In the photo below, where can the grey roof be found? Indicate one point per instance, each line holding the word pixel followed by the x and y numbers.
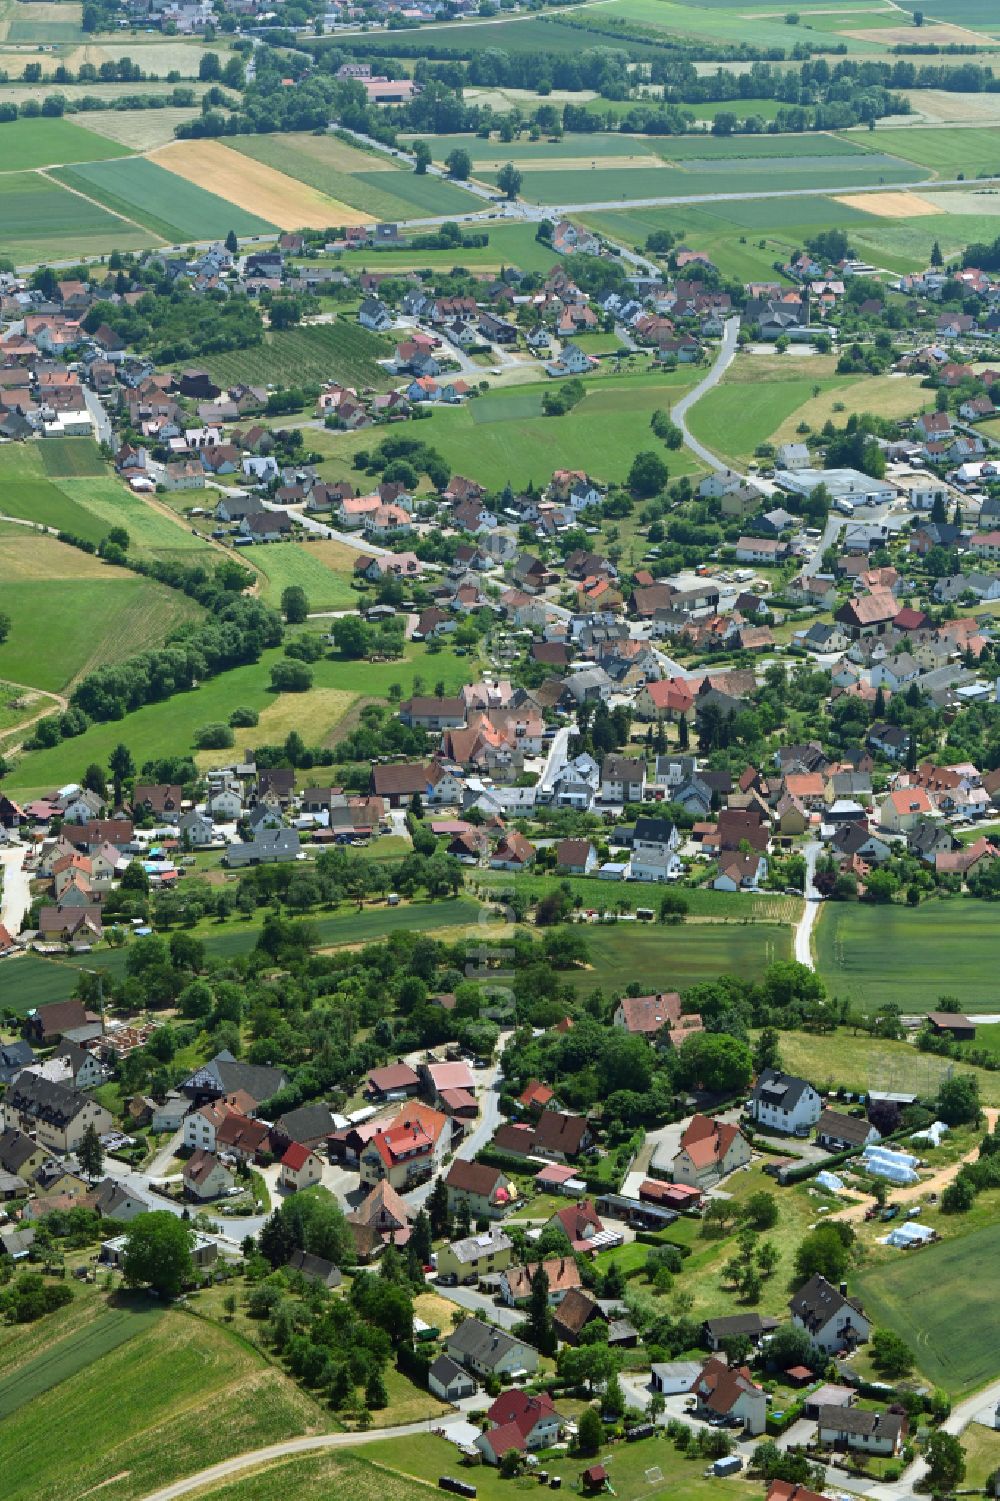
pixel 740 1323
pixel 308 1123
pixel 473 1246
pixel 33 1095
pixel 316 1268
pixel 783 1090
pixel 445 1371
pixel 223 1074
pixel 653 830
pixel 861 1421
pixel 850 1128
pixel 818 1302
pixel 482 1343
pixel 15 1149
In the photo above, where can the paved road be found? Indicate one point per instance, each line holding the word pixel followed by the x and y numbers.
pixel 810 912
pixel 255 1458
pixel 679 411
pixel 349 539
pixel 16 897
pixel 479 1303
pixel 557 757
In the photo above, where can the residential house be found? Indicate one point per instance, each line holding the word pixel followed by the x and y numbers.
pixel 520 1421
pixel 576 857
pixel 833 1321
pixel 485 1190
pixel 407 1151
pixel 205 1177
pixel 784 1102
pixel 655 842
pixel 449 1381
pixel 862 1429
pixel 55 1114
pixel 484 1254
pixel 623 779
pixel 842 1133
pixel 299 1168
pixel 730 1394
pixel 486 1351
pixel 656 1016
pixel 904 809
pixel 709 1151
pixel 562 1273
pixel 314 1269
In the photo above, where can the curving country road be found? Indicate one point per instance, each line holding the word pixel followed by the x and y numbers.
pixel 810 910
pixel 680 409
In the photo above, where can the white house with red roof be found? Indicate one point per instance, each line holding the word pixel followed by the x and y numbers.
pixel 709 1150
pixel 520 1421
pixel 409 1150
pixel 300 1168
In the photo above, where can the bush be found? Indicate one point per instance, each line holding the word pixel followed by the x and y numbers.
pixel 214 737
pixel 243 718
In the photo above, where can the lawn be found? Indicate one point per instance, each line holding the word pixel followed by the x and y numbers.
pixel 323 569
pixel 509 245
pixel 604 896
pixel 853 1061
pixel 353 927
pixel 503 435
pixel 40 220
pixel 27 144
pixel 912 956
pixel 982 1454
pixel 342 351
pixel 666 958
pixel 890 396
pixel 179 1395
pixel 423 1457
pixel 71 613
pixel 160 201
pixel 368 182
pixel 953 1337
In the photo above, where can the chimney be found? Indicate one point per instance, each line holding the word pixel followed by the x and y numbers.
pixel 843 1289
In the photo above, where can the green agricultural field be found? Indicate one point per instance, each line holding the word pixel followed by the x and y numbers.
pixel 912 956
pixel 341 351
pixel 355 177
pixel 504 436
pixel 317 1477
pixel 40 220
pixel 351 927
pixel 717 25
pixel 113 1326
pixel 31 981
pixel 287 563
pixel 45 23
pixel 977 13
pixel 180 1394
pixel 666 958
pixel 523 152
pixel 947 151
pixel 160 201
pixel 604 896
pixel 470 38
pixel 700 176
pixel 953 1338
pixel 26 144
pixel 905 246
pixel 71 458
pixel 62 629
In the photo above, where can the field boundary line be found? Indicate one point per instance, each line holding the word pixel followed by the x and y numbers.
pixel 143 229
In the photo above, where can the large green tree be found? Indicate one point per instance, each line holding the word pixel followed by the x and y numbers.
pixel 158 1252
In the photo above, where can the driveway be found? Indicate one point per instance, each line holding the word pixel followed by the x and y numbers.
pixel 467 1297
pixel 487 1092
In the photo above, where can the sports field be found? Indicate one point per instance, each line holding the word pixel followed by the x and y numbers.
pixel 160 202
pixel 180 1394
pixel 323 569
pixel 369 184
pixel 942 1302
pixel 504 436
pixel 912 956
pixel 40 220
pixel 27 144
pixel 666 958
pixel 314 353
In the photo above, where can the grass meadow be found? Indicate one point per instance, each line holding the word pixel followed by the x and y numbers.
pixel 70 612
pixel 909 955
pixel 666 958
pixel 854 1061
pixel 168 728
pixel 945 151
pixel 504 436
pixel 159 201
pixel 323 569
pixel 315 353
pixel 746 410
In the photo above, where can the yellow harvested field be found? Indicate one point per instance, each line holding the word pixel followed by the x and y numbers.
pixel 943 32
pixel 889 205
pixel 939 107
pixel 313 714
pixel 339 156
pixel 142 129
pixel 252 186
pixel 981 201
pixel 890 396
pixel 26 555
pixel 503 100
